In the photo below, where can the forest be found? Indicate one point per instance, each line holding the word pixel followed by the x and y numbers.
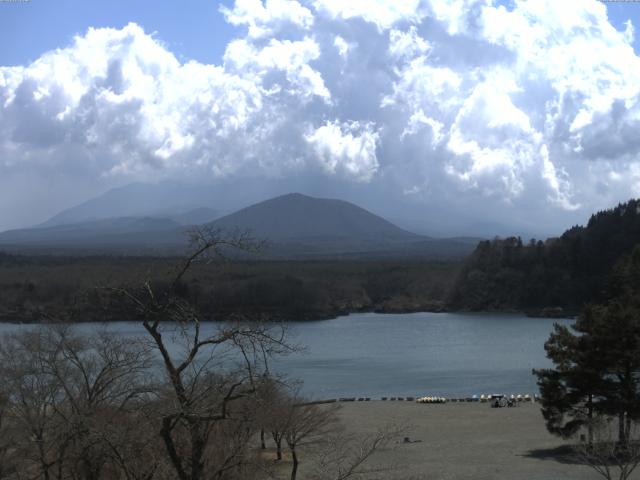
pixel 35 288
pixel 555 277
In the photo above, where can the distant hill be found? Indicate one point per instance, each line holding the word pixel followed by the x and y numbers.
pixel 101 235
pixel 299 217
pixel 295 226
pixel 197 216
pixel 553 277
pixel 162 200
pixel 300 226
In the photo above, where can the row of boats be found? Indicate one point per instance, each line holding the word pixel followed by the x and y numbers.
pixel 481 398
pixel 501 398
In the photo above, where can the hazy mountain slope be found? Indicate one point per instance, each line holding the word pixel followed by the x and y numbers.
pixel 165 199
pixel 295 227
pixel 103 233
pixel 296 217
pixel 197 216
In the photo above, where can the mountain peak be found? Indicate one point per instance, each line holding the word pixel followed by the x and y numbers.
pixel 298 216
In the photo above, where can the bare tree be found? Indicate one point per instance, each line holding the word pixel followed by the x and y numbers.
pixel 606 455
pixel 273 397
pixel 31 399
pixel 63 391
pixel 100 379
pixel 8 439
pixel 305 424
pixel 343 456
pixel 202 380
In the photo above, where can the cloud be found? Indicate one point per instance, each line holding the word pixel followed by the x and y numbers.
pixel 342 46
pixel 407 44
pixel 381 13
pixel 290 57
pixel 265 19
pixel 348 148
pixel 530 108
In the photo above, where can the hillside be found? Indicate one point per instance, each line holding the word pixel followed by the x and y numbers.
pixel 297 226
pixel 553 277
pixel 197 216
pixel 294 226
pixel 161 200
pixel 104 235
pixel 298 217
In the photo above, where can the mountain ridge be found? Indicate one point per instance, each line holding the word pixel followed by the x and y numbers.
pixel 294 225
pixel 163 199
pixel 299 216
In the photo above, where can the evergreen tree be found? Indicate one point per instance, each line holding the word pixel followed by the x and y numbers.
pixel 569 391
pixel 597 361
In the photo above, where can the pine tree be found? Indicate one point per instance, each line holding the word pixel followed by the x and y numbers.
pixel 569 391
pixel 597 361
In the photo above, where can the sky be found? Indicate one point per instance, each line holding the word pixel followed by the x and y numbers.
pixel 441 115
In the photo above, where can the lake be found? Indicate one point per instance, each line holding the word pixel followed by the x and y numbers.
pixel 374 355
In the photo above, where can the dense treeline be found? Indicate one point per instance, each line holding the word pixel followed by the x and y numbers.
pixel 34 288
pixel 557 276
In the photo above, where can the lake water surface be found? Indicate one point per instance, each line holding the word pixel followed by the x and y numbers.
pixel 374 355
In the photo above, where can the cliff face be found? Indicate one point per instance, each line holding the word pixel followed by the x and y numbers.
pixel 554 277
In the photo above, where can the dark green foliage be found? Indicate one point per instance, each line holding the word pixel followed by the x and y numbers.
pixel 597 361
pixel 569 390
pixel 560 275
pixel 69 287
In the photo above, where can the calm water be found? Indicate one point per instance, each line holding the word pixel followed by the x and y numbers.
pixel 377 355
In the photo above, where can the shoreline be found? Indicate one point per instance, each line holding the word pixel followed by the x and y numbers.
pixel 320 318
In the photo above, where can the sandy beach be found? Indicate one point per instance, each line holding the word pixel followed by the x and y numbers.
pixel 466 441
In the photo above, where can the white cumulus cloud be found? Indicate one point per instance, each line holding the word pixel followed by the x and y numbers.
pixel 382 13
pixel 468 105
pixel 348 148
pixel 265 19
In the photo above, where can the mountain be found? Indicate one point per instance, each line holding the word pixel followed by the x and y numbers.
pixel 300 226
pixel 102 235
pixel 197 216
pixel 162 200
pixel 295 226
pixel 299 217
pixel 558 275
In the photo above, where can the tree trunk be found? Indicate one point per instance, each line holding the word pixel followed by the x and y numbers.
pixel 45 470
pixel 621 430
pixel 43 463
pixel 263 445
pixel 197 451
pixel 278 441
pixel 294 467
pixel 590 421
pixel 174 457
